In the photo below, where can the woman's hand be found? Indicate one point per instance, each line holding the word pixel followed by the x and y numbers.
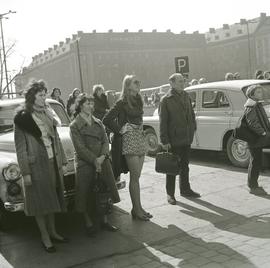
pixel 27 180
pixel 99 161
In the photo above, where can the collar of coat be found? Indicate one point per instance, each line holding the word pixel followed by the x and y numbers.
pixel 24 120
pixel 81 122
pixel 172 92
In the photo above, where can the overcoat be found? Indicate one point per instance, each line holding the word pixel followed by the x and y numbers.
pixel 177 119
pixel 90 142
pixel 42 197
pixel 100 106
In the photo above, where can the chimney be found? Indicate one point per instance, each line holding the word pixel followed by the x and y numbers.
pixel 55 47
pixel 74 36
pixel 61 44
pixel 110 31
pixel 79 33
pixel 40 54
pixel 141 31
pixel 196 32
pixel 168 31
pixel 126 31
pixel 183 32
pixel 94 31
pixel 212 30
pixel 262 16
pixel 67 40
pixel 45 52
pixel 226 27
pixel 154 30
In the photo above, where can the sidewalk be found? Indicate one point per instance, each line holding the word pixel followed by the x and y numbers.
pixel 227 227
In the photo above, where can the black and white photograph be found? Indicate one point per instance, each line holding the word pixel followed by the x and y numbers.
pixel 134 134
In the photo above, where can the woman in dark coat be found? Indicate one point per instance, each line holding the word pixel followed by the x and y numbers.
pixel 42 162
pixel 257 121
pixel 71 102
pixel 91 158
pixel 101 105
pixel 56 93
pixel 125 119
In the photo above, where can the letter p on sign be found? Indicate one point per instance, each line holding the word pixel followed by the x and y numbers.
pixel 182 65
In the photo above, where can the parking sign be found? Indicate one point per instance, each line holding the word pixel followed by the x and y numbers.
pixel 182 65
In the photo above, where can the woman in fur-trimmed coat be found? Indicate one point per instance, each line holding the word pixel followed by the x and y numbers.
pixel 42 163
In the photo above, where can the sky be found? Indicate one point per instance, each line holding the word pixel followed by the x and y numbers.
pixel 39 24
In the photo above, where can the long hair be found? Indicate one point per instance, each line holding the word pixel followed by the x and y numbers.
pixel 31 91
pixel 96 88
pixel 53 92
pixel 125 93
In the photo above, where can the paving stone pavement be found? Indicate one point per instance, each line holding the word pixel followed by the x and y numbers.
pixel 226 227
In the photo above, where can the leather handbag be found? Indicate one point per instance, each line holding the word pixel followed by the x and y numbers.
pixel 167 163
pixel 243 132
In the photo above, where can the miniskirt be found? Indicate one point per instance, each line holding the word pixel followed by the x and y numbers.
pixel 133 142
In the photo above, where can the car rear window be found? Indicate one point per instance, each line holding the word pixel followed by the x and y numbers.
pixel 266 88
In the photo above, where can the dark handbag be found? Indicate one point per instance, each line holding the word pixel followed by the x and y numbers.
pixel 102 196
pixel 167 163
pixel 244 133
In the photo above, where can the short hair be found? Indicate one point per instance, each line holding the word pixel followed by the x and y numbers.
pixel 251 90
pixel 228 76
pixel 258 73
pixel 172 78
pixel 80 100
pixel 30 93
pixel 96 88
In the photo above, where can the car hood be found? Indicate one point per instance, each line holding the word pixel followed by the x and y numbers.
pixel 7 142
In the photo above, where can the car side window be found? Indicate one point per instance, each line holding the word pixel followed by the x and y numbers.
pixel 214 99
pixel 192 96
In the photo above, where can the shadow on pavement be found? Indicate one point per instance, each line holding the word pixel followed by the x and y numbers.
pixel 254 226
pixel 136 241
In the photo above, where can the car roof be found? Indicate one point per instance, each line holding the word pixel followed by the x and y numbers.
pixel 233 85
pixel 18 101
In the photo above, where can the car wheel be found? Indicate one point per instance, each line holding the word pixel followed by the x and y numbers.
pixel 237 152
pixel 4 217
pixel 151 141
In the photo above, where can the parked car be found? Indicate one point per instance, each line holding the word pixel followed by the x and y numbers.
pixel 11 197
pixel 218 107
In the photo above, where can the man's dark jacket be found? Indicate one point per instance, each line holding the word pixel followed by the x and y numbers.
pixel 177 119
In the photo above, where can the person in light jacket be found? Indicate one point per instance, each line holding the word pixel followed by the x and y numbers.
pixel 258 122
pixel 91 159
pixel 177 127
pixel 42 162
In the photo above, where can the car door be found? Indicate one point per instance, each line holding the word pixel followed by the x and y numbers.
pixel 213 119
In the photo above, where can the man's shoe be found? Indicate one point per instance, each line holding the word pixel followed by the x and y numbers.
pixel 108 227
pixel 258 191
pixel 171 200
pixel 190 193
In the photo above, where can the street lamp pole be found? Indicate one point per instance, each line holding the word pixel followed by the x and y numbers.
pixel 4 51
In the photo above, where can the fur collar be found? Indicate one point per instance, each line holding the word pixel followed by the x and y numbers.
pixel 25 122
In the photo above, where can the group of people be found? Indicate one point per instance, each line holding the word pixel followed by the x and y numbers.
pixel 42 160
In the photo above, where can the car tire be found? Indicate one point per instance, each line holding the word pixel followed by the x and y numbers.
pixel 238 152
pixel 151 141
pixel 4 217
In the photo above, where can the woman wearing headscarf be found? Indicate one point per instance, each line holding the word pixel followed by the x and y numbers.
pixel 42 162
pixel 258 122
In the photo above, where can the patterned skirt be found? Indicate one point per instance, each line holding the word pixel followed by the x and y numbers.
pixel 134 143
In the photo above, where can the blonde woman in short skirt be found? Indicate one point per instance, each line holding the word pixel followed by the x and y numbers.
pixel 126 119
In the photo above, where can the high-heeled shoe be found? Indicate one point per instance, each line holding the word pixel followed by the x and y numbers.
pixel 50 249
pixel 137 217
pixel 148 215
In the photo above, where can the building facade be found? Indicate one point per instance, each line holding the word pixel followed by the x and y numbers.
pixel 91 58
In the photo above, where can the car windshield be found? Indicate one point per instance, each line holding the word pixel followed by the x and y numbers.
pixel 266 91
pixel 7 115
